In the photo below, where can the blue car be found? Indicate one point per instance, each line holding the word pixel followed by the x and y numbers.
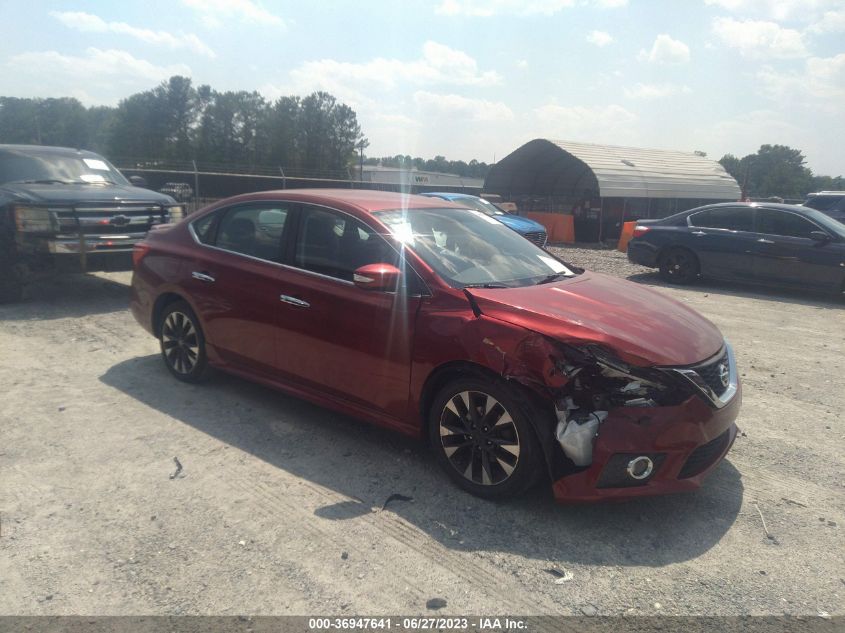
pixel 529 229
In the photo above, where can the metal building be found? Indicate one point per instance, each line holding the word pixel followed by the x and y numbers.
pixel 603 186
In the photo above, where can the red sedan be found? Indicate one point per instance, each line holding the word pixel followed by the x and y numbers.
pixel 442 323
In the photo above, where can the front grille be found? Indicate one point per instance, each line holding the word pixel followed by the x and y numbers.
pixel 703 457
pixel 538 237
pixel 111 220
pixel 712 374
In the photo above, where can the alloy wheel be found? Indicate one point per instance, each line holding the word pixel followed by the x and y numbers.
pixel 479 438
pixel 180 342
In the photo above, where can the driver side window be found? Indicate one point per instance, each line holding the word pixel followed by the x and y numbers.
pixel 335 244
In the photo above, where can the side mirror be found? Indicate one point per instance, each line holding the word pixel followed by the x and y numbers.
pixel 138 181
pixel 820 236
pixel 384 277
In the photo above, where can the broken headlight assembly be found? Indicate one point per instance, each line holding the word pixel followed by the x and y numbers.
pixel 599 381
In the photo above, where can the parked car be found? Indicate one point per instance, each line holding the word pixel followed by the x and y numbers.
pixel 777 244
pixel 440 322
pixel 830 203
pixel 530 229
pixel 67 209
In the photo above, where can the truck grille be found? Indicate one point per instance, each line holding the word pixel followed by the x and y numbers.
pixel 538 237
pixel 116 220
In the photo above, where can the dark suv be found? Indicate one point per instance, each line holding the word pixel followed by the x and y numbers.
pixel 64 209
pixel 831 203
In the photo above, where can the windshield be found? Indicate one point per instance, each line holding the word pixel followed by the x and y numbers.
pixel 468 248
pixel 480 204
pixel 59 168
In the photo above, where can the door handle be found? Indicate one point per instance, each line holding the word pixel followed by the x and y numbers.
pixel 299 303
pixel 203 277
pixel 699 233
pixel 763 240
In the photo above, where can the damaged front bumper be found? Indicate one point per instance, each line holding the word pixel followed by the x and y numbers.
pixel 683 444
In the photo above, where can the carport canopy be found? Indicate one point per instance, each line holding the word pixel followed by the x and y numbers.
pixel 583 170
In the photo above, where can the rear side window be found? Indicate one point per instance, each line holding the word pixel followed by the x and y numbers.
pixel 730 218
pixel 254 230
pixel 772 222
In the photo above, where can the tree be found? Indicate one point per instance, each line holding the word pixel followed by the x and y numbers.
pixel 775 170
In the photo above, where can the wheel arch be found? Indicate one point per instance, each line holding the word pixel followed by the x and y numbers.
pixel 161 303
pixel 540 410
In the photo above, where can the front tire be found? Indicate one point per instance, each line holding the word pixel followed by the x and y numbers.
pixel 679 266
pixel 182 343
pixel 482 438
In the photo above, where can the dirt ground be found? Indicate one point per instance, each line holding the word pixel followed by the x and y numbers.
pixel 278 506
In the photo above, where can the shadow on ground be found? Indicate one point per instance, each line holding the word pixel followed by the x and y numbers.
pixel 746 291
pixel 368 465
pixel 69 296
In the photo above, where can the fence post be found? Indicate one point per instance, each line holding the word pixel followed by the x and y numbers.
pixel 196 184
pixel 284 179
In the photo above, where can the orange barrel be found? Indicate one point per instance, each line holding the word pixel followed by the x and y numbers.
pixel 625 237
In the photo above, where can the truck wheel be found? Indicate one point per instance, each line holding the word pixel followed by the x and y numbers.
pixel 11 287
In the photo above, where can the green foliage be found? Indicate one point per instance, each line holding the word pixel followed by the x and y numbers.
pixel 776 170
pixel 472 169
pixel 180 122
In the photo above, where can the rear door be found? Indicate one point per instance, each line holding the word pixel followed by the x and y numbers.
pixel 234 281
pixel 786 253
pixel 724 241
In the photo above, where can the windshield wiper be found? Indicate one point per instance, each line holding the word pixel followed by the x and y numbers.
pixel 489 284
pixel 553 277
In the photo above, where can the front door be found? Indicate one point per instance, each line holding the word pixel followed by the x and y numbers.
pixel 333 336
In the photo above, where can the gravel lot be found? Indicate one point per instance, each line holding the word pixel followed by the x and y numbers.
pixel 278 507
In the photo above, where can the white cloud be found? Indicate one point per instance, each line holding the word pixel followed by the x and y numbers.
pixel 819 86
pixel 88 23
pixel 453 106
pixel 439 64
pixel 744 134
pixel 109 74
pixel 780 10
pixel 655 91
pixel 599 38
pixel 607 124
pixel 521 63
pixel 215 13
pixel 487 8
pixel 830 22
pixel 666 50
pixel 759 39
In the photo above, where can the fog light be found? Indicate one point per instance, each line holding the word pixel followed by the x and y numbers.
pixel 640 468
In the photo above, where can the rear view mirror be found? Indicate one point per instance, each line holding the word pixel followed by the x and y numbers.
pixel 819 236
pixel 138 181
pixel 384 277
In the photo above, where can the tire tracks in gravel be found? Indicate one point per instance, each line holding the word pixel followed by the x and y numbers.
pixel 276 506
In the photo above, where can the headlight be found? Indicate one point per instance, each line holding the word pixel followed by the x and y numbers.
pixel 35 220
pixel 177 212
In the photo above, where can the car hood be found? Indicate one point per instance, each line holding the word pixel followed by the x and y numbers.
pixel 520 224
pixel 80 194
pixel 642 326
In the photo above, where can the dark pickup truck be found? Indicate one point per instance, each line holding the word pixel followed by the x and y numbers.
pixel 69 210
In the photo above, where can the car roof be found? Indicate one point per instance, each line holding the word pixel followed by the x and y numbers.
pixel 363 199
pixel 46 149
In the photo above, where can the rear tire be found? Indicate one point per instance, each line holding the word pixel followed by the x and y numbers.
pixel 679 266
pixel 11 290
pixel 182 343
pixel 481 435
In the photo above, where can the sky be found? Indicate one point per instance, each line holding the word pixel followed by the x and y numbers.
pixel 471 78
